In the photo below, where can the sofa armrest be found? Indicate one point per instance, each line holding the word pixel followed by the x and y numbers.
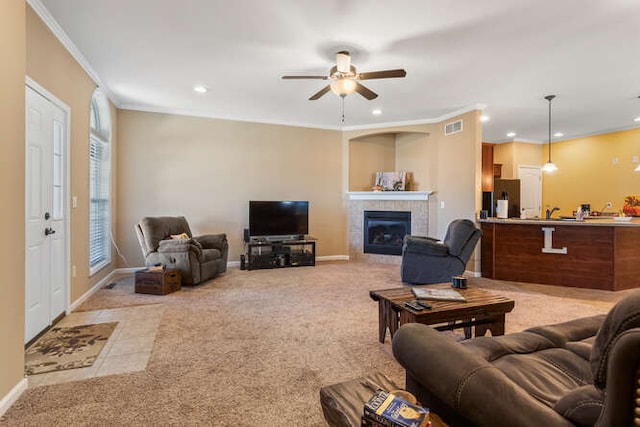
pixel 212 241
pixel 623 376
pixel 425 246
pixel 465 383
pixel 180 245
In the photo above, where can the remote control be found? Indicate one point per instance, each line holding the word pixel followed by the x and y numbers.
pixel 424 304
pixel 413 306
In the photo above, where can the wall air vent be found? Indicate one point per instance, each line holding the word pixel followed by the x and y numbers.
pixel 453 127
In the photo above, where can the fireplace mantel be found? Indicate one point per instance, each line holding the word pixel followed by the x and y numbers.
pixel 388 195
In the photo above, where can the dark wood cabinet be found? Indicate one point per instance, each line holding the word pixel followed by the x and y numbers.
pixel 487 167
pixel 596 255
pixel 497 170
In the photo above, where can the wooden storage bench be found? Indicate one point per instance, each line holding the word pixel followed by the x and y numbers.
pixel 157 282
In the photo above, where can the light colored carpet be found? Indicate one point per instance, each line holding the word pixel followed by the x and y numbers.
pixel 67 348
pixel 253 348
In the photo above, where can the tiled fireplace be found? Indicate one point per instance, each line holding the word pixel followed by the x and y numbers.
pixel 384 231
pixel 402 206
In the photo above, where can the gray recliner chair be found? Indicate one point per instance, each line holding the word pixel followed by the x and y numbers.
pixel 199 258
pixel 584 372
pixel 428 260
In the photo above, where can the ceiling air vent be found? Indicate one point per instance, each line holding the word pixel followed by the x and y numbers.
pixel 453 127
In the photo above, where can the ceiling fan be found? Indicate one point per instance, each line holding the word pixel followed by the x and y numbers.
pixel 344 78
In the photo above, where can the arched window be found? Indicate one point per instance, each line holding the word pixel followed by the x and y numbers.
pixel 99 183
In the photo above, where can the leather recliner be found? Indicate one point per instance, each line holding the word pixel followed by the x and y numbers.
pixel 198 258
pixel 428 260
pixel 584 372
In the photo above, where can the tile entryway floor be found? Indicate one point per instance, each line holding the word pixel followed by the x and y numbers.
pixel 127 350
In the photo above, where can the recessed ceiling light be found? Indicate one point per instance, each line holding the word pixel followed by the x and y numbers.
pixel 484 118
pixel 558 134
pixel 199 89
pixel 637 119
pixel 511 134
pixel 376 112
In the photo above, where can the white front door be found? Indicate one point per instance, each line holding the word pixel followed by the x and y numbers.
pixel 46 273
pixel 530 189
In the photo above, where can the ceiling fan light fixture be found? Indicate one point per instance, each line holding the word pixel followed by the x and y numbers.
pixel 343 61
pixel 343 87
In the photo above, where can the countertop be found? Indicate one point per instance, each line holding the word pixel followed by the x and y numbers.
pixel 590 221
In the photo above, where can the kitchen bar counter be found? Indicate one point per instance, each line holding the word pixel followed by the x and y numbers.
pixel 596 253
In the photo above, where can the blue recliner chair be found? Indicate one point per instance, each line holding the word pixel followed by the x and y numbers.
pixel 428 260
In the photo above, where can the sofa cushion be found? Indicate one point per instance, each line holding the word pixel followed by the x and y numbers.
pixel 623 316
pixel 581 406
pixel 534 363
pixel 546 375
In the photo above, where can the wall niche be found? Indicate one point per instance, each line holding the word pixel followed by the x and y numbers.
pixel 411 152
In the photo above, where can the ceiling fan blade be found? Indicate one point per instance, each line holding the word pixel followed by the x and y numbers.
pixel 386 74
pixel 305 77
pixel 321 92
pixel 367 93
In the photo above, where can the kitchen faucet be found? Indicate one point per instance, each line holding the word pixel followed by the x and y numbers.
pixel 551 211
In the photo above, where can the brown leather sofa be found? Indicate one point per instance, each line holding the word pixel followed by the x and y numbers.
pixel 199 258
pixel 583 372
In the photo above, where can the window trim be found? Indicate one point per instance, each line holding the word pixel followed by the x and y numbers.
pixel 100 133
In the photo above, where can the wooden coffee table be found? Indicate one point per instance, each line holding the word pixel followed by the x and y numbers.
pixel 483 311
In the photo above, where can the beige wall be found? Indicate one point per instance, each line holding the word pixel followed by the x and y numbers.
pixel 209 169
pixel 12 172
pixel 416 154
pixel 51 66
pixel 514 154
pixel 369 155
pixel 587 173
pixel 386 152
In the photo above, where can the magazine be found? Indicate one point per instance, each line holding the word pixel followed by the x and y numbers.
pixel 388 410
pixel 438 294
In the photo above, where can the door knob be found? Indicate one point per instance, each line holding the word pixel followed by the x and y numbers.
pixel 48 231
pixel 47 215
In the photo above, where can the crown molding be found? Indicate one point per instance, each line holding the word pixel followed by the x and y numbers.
pixel 525 140
pixel 44 14
pixel 418 122
pixel 191 113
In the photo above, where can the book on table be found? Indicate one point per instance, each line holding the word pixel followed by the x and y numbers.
pixel 438 294
pixel 388 410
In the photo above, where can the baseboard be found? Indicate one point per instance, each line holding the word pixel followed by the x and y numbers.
pixel 93 290
pixel 13 395
pixel 473 273
pixel 333 258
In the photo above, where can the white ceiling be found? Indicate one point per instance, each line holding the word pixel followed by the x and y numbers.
pixel 504 54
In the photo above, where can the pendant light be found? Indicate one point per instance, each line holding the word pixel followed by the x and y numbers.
pixel 549 166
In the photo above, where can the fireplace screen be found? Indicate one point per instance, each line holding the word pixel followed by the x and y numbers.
pixel 384 231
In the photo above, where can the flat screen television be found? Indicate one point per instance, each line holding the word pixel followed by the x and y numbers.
pixel 278 218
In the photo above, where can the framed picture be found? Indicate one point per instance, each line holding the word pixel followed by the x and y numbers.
pixel 391 181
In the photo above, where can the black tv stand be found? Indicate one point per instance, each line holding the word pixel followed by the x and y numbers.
pixel 263 253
